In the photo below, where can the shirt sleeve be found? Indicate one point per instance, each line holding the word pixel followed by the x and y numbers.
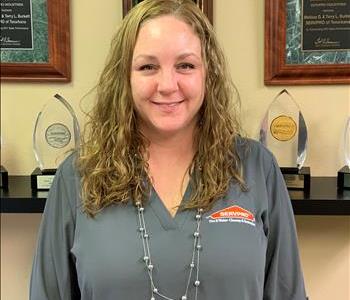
pixel 283 274
pixel 53 273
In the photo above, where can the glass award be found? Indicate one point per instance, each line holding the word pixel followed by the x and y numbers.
pixel 343 180
pixel 283 131
pixel 56 134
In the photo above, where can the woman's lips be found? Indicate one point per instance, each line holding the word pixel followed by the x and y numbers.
pixel 167 106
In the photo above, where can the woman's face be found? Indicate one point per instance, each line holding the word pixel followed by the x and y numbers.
pixel 167 76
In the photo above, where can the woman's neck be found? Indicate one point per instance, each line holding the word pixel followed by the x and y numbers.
pixel 169 157
pixel 169 162
pixel 175 147
pixel 171 146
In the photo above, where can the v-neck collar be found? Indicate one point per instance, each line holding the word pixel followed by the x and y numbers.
pixel 168 221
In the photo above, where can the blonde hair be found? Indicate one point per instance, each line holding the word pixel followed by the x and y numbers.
pixel 112 161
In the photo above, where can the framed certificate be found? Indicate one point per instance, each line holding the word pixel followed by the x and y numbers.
pixel 307 42
pixel 35 40
pixel 205 5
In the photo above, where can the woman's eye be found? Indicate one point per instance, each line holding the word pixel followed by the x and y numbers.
pixel 186 66
pixel 147 67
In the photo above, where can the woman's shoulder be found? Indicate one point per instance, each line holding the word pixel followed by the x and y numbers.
pixel 255 157
pixel 67 168
pixel 250 148
pixel 65 190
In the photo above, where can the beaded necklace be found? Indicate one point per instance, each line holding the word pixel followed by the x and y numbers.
pixel 147 258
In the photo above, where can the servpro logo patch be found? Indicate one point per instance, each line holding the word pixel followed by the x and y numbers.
pixel 233 213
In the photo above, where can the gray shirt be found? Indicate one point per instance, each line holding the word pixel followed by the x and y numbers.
pixel 249 244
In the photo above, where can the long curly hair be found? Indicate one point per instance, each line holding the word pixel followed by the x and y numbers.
pixel 112 160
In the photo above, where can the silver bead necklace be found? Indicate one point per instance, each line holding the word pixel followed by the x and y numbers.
pixel 147 258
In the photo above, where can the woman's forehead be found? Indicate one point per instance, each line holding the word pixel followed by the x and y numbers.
pixel 167 33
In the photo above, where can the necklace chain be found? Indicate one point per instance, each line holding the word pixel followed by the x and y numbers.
pixel 149 264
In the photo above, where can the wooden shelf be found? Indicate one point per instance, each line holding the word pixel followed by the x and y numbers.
pixel 323 198
pixel 20 198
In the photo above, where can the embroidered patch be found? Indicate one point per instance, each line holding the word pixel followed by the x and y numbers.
pixel 233 213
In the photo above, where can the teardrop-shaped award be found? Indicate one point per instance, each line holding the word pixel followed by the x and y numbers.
pixel 56 134
pixel 283 131
pixel 344 172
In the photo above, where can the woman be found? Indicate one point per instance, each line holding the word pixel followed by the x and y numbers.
pixel 165 200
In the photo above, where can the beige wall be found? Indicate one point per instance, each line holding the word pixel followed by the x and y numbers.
pixel 324 241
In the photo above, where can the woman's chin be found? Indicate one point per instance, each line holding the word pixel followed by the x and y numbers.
pixel 171 129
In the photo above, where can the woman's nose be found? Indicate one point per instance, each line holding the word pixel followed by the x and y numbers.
pixel 167 82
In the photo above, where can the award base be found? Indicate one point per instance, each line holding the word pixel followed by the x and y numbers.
pixel 42 179
pixel 343 179
pixel 297 179
pixel 4 178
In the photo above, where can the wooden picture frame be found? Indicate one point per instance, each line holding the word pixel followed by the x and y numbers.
pixel 205 5
pixel 277 71
pixel 58 67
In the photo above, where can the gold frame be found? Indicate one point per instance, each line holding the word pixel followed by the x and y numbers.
pixel 59 66
pixel 205 5
pixel 277 72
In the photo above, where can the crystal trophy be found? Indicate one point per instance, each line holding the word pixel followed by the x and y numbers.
pixel 283 131
pixel 343 180
pixel 56 133
pixel 3 175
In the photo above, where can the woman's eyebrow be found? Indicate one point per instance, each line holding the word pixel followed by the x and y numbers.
pixel 145 56
pixel 152 57
pixel 187 54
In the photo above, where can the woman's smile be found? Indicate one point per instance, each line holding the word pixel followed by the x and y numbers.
pixel 168 107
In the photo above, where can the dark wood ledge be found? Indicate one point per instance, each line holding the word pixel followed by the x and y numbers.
pixel 323 199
